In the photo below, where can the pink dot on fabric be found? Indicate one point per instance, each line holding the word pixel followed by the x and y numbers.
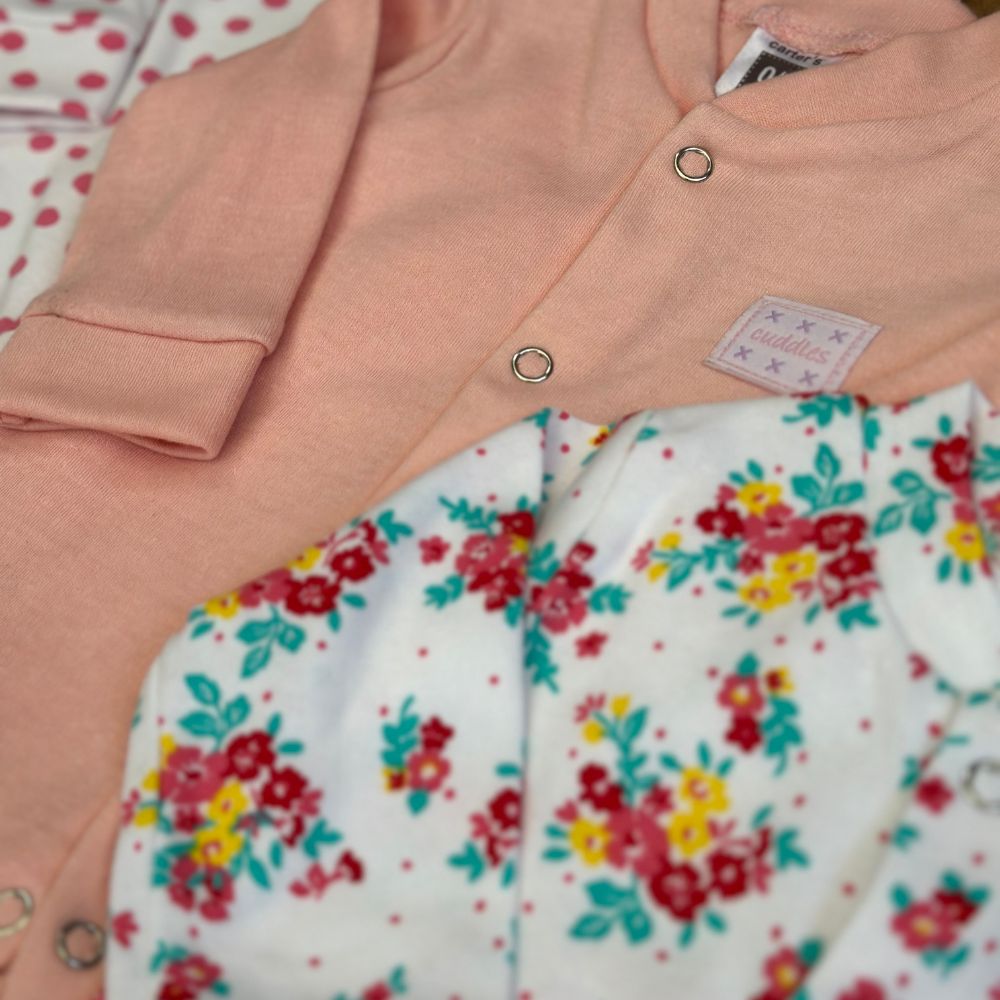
pixel 5 218
pixel 18 266
pixel 564 448
pixel 74 109
pixel 85 18
pixel 115 117
pixel 41 141
pixel 7 324
pixel 113 41
pixel 92 81
pixel 395 918
pixel 38 188
pixel 77 152
pixel 24 79
pixel 238 24
pixel 275 3
pixel 183 26
pixel 11 41
pixel 150 75
pixel 668 453
pixel 47 217
pixel 314 961
pixel 82 183
pixel 205 60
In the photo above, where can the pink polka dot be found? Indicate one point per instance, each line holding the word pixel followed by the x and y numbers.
pixel 406 864
pixel 92 81
pixel 866 725
pixel 150 75
pixel 41 141
pixel 7 324
pixel 47 217
pixel 658 646
pixel 137 846
pixel 74 109
pixel 668 453
pixel 494 680
pixel 395 918
pixel 5 218
pixel 848 889
pixel 24 79
pixel 18 266
pixel 193 932
pixel 183 26
pixel 422 651
pixel 11 41
pixel 662 955
pixel 205 60
pixel 38 188
pixel 115 117
pixel 498 943
pixel 528 906
pixel 77 152
pixel 777 933
pixel 564 448
pixel 480 452
pixel 275 3
pixel 315 961
pixel 219 637
pixel 113 41
pixel 569 878
pixel 82 183
pixel 479 905
pixel 237 24
pixel 85 18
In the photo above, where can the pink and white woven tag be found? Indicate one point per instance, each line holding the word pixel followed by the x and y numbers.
pixel 789 347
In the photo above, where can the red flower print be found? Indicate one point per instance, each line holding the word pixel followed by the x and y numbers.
pixel 677 888
pixel 123 926
pixel 599 790
pixel 786 972
pixel 520 523
pixel 505 808
pixel 315 595
pixel 219 886
pixel 482 555
pixel 284 788
pixel 580 553
pixel 777 530
pixel 934 794
pixel 195 971
pixel 924 925
pixel 741 694
pixel 181 872
pixel 641 558
pixel 427 770
pixel 864 989
pixel 433 549
pixel 990 507
pixel 720 520
pixel 750 562
pixel 560 602
pixel 852 565
pixel 500 586
pixel 744 732
pixel 435 734
pixel 273 587
pixel 176 991
pixel 249 754
pixel 396 780
pixel 188 819
pixel 637 842
pixel 190 776
pixel 958 908
pixel 837 531
pixel 380 991
pixel 657 800
pixel 729 874
pixel 592 703
pixel 314 884
pixel 352 564
pixel 952 460
pixel 846 576
pixel 590 644
pixel 349 867
pixel 128 807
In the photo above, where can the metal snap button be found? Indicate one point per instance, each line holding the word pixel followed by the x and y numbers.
pixel 27 905
pixel 527 352
pixel 94 935
pixel 694 151
pixel 980 772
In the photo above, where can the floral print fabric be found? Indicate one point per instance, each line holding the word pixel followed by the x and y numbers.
pixel 705 704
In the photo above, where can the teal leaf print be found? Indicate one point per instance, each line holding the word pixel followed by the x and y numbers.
pixel 277 854
pixel 256 660
pixel 607 894
pixel 890 519
pixel 318 837
pixel 291 746
pixel 715 921
pixel 471 860
pixel 474 518
pixel 827 464
pixel 291 637
pixel 904 836
pixel 822 409
pixel 900 897
pixel 253 632
pixel 787 851
pixel 440 595
pixel 810 951
pixel 857 614
pixel 236 712
pixel 200 724
pixel 273 726
pixel 637 925
pixel 610 597
pixel 761 817
pixel 591 927
pixel 397 980
pixel 536 657
pixel 418 801
pixel 258 872
pixel 202 628
pixel 205 690
pixel 986 468
pixel 392 529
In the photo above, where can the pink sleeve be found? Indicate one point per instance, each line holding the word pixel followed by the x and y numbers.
pixel 194 243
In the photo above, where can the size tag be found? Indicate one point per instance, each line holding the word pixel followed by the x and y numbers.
pixel 789 347
pixel 763 58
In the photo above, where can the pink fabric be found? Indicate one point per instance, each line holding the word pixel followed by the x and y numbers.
pixel 379 229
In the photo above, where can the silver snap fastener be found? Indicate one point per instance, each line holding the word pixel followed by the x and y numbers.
pixel 27 906
pixel 694 151
pixel 527 352
pixel 81 928
pixel 980 772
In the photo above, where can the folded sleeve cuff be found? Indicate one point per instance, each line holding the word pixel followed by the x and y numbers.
pixel 178 397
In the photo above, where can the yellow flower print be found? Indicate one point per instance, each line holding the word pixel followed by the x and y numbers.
pixel 146 816
pixel 689 832
pixel 216 846
pixel 779 680
pixel 307 559
pixel 393 779
pixel 965 539
pixel 671 540
pixel 619 705
pixel 601 436
pixel 229 804
pixel 520 544
pixel 704 791
pixel 589 840
pixel 758 497
pixel 764 594
pixel 223 607
pixel 794 566
pixel 593 731
pixel 656 571
pixel 151 783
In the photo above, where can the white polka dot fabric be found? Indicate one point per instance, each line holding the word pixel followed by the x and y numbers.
pixel 68 72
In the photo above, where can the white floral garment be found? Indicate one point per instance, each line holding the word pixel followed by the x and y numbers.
pixel 706 705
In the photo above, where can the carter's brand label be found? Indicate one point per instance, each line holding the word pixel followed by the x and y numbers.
pixel 789 347
pixel 763 58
